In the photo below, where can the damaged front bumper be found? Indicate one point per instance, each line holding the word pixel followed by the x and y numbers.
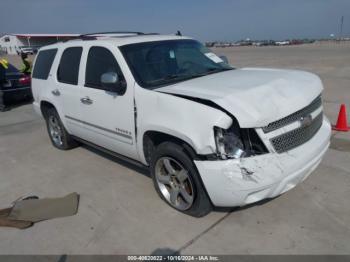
pixel 238 182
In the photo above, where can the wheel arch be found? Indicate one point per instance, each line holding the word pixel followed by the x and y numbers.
pixel 44 105
pixel 151 139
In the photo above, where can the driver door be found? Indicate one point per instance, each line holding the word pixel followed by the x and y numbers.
pixel 107 117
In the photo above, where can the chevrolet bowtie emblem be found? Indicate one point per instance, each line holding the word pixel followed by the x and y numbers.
pixel 305 120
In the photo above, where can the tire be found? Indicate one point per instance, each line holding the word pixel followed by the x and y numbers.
pixel 177 180
pixel 59 136
pixel 2 102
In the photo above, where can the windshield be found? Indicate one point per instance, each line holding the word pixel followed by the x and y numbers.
pixel 160 63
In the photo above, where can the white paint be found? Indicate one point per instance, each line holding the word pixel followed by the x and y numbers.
pixel 272 174
pixel 189 121
pixel 255 96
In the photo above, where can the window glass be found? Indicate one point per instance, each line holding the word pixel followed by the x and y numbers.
pixel 100 60
pixel 43 63
pixel 68 70
pixel 160 63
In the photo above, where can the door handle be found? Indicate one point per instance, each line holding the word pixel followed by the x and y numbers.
pixel 56 92
pixel 86 100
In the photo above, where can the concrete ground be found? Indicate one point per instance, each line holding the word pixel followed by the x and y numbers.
pixel 120 213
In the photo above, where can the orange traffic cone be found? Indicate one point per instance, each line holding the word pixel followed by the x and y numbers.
pixel 342 123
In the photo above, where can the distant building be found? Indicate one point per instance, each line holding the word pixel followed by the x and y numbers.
pixel 11 43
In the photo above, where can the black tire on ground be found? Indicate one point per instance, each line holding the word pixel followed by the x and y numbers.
pixel 201 204
pixel 2 101
pixel 67 142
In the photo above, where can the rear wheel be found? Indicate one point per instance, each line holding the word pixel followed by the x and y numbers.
pixel 59 136
pixel 177 181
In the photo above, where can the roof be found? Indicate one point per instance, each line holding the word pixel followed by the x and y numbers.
pixel 121 40
pixel 139 38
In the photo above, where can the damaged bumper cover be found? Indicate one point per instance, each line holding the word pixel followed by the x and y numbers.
pixel 238 182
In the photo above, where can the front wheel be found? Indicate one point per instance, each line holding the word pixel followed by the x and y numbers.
pixel 177 181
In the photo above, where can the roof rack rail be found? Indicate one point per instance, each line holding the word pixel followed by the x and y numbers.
pixel 110 33
pixel 93 36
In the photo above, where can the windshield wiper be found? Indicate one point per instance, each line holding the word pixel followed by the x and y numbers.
pixel 210 71
pixel 183 77
pixel 167 78
pixel 216 70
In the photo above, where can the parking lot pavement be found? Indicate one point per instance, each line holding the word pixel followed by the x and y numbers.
pixel 120 213
pixel 119 210
pixel 311 219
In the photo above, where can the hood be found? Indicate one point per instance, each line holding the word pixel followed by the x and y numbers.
pixel 255 96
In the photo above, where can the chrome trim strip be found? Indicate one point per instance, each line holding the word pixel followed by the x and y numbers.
pixel 110 136
pixel 99 127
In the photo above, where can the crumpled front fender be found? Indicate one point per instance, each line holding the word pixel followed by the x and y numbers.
pixel 187 120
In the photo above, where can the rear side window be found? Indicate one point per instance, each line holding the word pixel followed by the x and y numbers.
pixel 100 60
pixel 68 69
pixel 43 63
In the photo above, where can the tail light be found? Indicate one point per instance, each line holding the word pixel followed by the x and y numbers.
pixel 25 80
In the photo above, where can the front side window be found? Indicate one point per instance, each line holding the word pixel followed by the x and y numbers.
pixel 43 63
pixel 160 63
pixel 68 70
pixel 100 61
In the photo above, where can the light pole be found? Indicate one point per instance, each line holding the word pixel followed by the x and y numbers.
pixel 341 28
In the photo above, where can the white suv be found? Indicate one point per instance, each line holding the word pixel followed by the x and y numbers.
pixel 212 135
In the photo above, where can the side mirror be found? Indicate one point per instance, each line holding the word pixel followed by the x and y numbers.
pixel 111 82
pixel 224 58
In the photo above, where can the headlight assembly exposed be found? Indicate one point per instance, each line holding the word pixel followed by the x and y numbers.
pixel 228 144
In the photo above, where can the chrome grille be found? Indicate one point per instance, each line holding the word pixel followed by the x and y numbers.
pixel 297 137
pixel 293 117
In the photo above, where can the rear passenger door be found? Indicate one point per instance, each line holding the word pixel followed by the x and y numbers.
pixel 67 91
pixel 108 117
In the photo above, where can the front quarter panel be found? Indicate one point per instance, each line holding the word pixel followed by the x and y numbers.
pixel 187 120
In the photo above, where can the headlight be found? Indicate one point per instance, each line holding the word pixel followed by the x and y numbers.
pixel 228 144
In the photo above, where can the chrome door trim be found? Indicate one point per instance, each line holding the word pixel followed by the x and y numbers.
pixel 100 127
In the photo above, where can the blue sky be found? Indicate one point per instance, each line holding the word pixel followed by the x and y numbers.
pixel 203 19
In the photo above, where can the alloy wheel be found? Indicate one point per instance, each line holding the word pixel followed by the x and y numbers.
pixel 174 183
pixel 55 130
